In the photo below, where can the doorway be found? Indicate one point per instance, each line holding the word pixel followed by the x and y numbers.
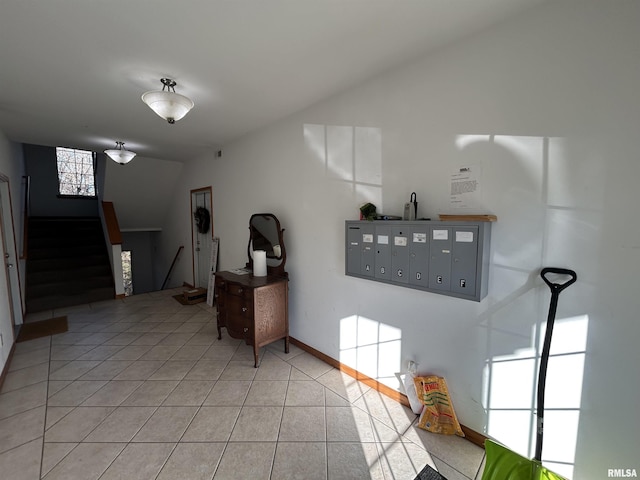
pixel 201 234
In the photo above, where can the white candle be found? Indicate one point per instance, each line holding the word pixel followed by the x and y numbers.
pixel 259 263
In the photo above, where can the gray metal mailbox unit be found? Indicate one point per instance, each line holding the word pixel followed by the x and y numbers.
pixel 449 258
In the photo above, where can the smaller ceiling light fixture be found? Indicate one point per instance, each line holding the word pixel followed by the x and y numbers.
pixel 120 154
pixel 167 103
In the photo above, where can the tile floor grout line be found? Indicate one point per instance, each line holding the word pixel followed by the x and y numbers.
pixel 326 443
pixel 46 408
pixel 189 330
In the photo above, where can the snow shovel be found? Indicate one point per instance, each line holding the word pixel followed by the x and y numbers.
pixel 501 463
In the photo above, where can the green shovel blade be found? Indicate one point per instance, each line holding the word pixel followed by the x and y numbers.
pixel 503 464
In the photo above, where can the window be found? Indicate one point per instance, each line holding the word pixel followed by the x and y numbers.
pixel 127 274
pixel 76 172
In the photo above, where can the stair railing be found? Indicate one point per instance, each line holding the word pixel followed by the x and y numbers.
pixel 113 237
pixel 25 218
pixel 111 222
pixel 175 259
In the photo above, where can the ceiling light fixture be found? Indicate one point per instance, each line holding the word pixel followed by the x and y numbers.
pixel 167 103
pixel 120 154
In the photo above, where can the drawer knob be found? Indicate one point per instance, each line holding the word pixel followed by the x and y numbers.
pixel 245 329
pixel 239 290
pixel 244 309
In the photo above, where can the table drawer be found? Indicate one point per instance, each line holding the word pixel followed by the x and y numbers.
pixel 239 307
pixel 238 290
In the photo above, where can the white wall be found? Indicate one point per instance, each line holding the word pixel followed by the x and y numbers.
pixel 547 106
pixel 141 191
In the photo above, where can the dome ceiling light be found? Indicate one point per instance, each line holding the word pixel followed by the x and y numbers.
pixel 120 154
pixel 167 103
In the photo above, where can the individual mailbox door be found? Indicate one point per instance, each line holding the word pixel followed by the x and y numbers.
pixel 419 256
pixel 383 252
pixel 465 258
pixel 367 258
pixel 360 258
pixel 354 249
pixel 400 254
pixel 440 258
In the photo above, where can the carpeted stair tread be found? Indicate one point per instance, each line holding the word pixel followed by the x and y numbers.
pixel 68 251
pixel 64 263
pixel 38 277
pixel 71 287
pixel 53 302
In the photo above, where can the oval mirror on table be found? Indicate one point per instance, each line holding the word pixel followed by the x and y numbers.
pixel 266 234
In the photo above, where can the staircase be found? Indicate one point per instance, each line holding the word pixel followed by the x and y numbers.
pixel 67 263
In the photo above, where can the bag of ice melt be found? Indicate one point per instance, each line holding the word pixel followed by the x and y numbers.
pixel 438 415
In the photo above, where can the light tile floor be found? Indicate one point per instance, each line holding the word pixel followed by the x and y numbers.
pixel 141 388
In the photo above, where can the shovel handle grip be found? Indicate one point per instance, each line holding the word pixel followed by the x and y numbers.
pixel 558 287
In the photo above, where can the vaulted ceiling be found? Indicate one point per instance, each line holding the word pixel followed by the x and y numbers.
pixel 72 72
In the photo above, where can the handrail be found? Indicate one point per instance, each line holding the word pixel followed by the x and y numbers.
pixel 111 222
pixel 25 219
pixel 175 259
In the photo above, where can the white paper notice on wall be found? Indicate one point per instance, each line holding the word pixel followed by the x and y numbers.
pixel 466 237
pixel 465 187
pixel 367 237
pixel 441 234
pixel 419 237
pixel 383 239
pixel 400 241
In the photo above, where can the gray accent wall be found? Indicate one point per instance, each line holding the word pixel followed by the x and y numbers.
pixel 143 247
pixel 41 167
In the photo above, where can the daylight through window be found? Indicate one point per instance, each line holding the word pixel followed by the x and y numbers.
pixel 76 172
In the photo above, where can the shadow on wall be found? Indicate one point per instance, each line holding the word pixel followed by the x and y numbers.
pixel 352 155
pixel 546 194
pixel 544 220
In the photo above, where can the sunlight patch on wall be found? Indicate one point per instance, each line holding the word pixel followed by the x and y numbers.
pixel 463 141
pixel 510 396
pixel 372 348
pixel 547 192
pixel 349 154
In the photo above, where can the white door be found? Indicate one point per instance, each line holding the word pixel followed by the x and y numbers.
pixel 202 240
pixel 9 281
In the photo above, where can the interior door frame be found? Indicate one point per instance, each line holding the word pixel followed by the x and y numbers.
pixel 9 249
pixel 194 232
